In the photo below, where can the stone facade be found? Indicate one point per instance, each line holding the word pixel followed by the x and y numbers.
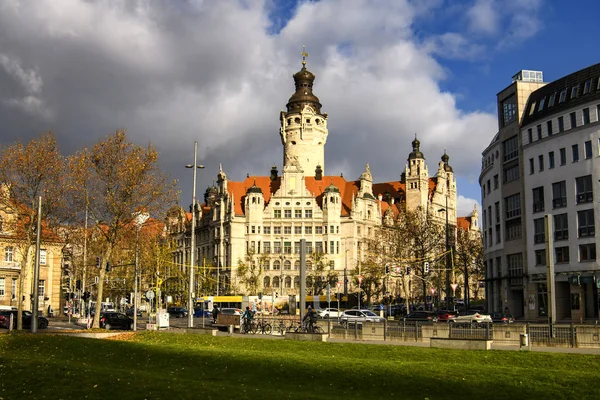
pixel 267 216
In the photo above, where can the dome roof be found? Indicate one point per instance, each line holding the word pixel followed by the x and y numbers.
pixel 303 80
pixel 445 159
pixel 254 189
pixel 416 153
pixel 331 189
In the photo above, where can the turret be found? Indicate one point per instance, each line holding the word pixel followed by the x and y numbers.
pixel 416 178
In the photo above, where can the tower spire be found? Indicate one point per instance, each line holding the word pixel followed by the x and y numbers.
pixel 304 55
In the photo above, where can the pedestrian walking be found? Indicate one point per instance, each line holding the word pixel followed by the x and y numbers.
pixel 215 313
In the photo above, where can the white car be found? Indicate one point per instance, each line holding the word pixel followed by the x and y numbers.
pixel 471 316
pixel 329 313
pixel 359 316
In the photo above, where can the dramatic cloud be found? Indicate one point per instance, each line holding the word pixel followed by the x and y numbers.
pixel 215 72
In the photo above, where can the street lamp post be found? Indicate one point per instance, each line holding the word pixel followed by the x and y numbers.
pixel 139 220
pixel 193 239
pixel 448 260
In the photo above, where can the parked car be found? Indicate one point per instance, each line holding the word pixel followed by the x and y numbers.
pixel 198 313
pixel 472 316
pixel 27 316
pixel 177 312
pixel 231 311
pixel 329 313
pixel 445 315
pixel 129 312
pixel 498 317
pixel 421 316
pixel 113 319
pixel 350 316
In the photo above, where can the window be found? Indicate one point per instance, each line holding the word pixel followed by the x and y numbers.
pixel 2 287
pixel 530 135
pixel 561 124
pixel 331 247
pixel 307 213
pixel 583 187
pixel 297 213
pixel 575 152
pixel 296 247
pixel 561 227
pixel 539 132
pixel 563 96
pixel 540 258
pixel 277 230
pixel 276 267
pixel 318 230
pixel 276 213
pixel 287 230
pixel 298 230
pixel 511 148
pixel 551 160
pixel 331 265
pixel 267 230
pixel 42 257
pixel 586 116
pixel 551 99
pixel 559 194
pixel 587 149
pixel 541 162
pixel 253 229
pixel 267 247
pixel 549 127
pixel 515 268
pixel 562 255
pixel 542 102
pixel 496 182
pixel 13 288
pixel 585 220
pixel 287 213
pixel 9 253
pixel 539 231
pixel 308 230
pixel 513 228
pixel 498 239
pixel 531 166
pixel 277 248
pixel 41 286
pixel 587 252
pixel 563 156
pixel 573 120
pixel 509 109
pixel 511 174
pixel 587 86
pixel 513 206
pixel 319 247
pixel 532 109
pixel 497 209
pixel 287 247
pixel 574 91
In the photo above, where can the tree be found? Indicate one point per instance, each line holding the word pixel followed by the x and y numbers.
pixel 117 180
pixel 320 275
pixel 372 274
pixel 250 271
pixel 468 258
pixel 28 172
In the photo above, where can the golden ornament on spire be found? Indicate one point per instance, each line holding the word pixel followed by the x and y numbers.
pixel 304 55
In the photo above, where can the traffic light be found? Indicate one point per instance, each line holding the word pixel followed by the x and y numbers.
pixel 387 269
pixel 407 270
pixel 98 262
pixel 260 295
pixel 128 297
pixel 78 284
pixel 67 296
pixel 426 267
pixel 107 266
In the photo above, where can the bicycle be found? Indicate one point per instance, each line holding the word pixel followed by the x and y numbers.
pixel 261 327
pixel 247 326
pixel 281 327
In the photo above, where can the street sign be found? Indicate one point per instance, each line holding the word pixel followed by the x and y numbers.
pixel 359 279
pixel 338 284
pixel 454 286
pixel 150 294
pixel 432 290
pixel 398 269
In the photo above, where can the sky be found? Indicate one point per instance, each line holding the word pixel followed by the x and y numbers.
pixel 219 73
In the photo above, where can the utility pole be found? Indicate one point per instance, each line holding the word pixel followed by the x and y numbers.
pixel 550 281
pixel 36 270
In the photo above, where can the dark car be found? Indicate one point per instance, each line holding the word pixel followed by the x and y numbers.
pixel 445 315
pixel 498 317
pixel 129 312
pixel 421 316
pixel 198 312
pixel 116 320
pixel 5 318
pixel 177 312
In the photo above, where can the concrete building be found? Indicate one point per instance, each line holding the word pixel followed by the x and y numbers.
pixel 543 161
pixel 266 216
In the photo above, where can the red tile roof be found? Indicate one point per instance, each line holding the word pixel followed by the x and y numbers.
pixel 463 223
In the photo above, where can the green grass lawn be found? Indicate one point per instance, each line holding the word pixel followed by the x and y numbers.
pixel 154 365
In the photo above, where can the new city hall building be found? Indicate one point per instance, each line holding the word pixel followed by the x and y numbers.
pixel 544 160
pixel 268 215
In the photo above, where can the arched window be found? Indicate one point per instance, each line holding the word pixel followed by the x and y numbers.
pixel 309 265
pixel 287 265
pixel 267 282
pixel 275 281
pixel 288 282
pixel 265 264
pixel 276 265
pixel 297 265
pixel 296 282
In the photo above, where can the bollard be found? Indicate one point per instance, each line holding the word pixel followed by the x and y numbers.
pixel 524 341
pixel 230 329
